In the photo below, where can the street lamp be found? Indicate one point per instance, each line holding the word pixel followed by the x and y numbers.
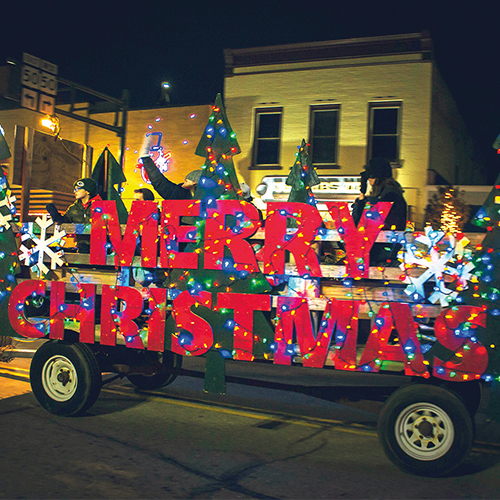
pixel 51 122
pixel 165 93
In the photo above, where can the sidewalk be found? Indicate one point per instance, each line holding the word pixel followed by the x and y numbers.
pixel 25 349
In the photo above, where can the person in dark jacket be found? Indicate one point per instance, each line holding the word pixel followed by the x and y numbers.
pixel 80 211
pixel 167 189
pixel 383 187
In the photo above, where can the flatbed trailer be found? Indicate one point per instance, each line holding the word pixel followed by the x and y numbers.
pixel 135 310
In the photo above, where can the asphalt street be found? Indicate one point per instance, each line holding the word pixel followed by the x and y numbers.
pixel 178 442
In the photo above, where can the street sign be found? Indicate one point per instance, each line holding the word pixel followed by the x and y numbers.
pixel 39 84
pixel 29 99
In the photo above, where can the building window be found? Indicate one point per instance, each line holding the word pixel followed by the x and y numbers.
pixel 266 151
pixel 323 135
pixel 384 131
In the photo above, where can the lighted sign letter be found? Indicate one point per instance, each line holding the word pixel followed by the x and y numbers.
pixel 313 349
pixel 244 305
pixel 218 235
pixel 359 240
pixel 341 316
pixel 298 243
pixel 454 329
pixel 174 233
pixel 156 322
pixel 194 335
pixel 84 312
pixel 113 320
pixel 142 220
pixel 396 315
pixel 16 309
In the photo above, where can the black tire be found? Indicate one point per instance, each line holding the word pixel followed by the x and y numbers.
pixel 170 367
pixel 425 430
pixel 65 377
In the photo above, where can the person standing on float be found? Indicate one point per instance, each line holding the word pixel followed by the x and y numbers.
pixel 383 187
pixel 167 189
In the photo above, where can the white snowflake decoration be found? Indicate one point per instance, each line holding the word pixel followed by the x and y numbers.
pixel 42 247
pixel 437 266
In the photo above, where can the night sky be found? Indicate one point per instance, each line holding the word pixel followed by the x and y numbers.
pixel 113 47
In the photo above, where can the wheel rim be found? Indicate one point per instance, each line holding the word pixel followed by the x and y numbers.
pixel 59 378
pixel 424 431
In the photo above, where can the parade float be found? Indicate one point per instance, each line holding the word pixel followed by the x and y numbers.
pixel 216 278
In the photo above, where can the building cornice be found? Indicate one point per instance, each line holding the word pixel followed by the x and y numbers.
pixel 411 43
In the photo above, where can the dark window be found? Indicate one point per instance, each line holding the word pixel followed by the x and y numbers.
pixel 323 136
pixel 267 138
pixel 384 131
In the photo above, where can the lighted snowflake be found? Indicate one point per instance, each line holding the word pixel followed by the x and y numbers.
pixel 438 264
pixel 34 256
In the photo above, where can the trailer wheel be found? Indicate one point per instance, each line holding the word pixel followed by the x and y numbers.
pixel 425 430
pixel 171 364
pixel 65 377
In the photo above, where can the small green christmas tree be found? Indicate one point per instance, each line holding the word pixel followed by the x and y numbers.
pixel 302 177
pixel 9 261
pixel 484 290
pixel 108 172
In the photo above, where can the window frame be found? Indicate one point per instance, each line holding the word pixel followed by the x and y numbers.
pixel 372 106
pixel 257 113
pixel 319 108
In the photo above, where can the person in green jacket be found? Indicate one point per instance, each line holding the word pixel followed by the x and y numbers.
pixel 85 193
pixel 80 211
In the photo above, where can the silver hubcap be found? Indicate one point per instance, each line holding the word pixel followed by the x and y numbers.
pixel 59 378
pixel 424 431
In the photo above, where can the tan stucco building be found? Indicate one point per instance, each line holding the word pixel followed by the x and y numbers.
pixel 351 100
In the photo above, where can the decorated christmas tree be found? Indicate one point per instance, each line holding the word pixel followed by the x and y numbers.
pixel 225 264
pixel 9 262
pixel 484 289
pixel 302 177
pixel 218 145
pixel 219 182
